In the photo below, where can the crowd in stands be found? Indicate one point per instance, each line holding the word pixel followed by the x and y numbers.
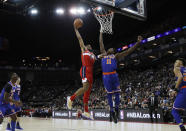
pixel 43 112
pixel 137 86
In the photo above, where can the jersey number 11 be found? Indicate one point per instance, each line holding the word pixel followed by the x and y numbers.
pixel 108 61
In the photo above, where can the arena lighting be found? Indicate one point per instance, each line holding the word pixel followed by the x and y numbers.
pixel 88 10
pixel 99 8
pixel 34 11
pixel 81 11
pixel 176 30
pixel 167 33
pixel 144 41
pixel 158 36
pixel 131 45
pixel 119 49
pixel 170 52
pixel 60 60
pixel 73 11
pixel 4 1
pixel 43 58
pixel 150 39
pixel 125 47
pixel 77 11
pixel 155 37
pixel 153 57
pixel 59 11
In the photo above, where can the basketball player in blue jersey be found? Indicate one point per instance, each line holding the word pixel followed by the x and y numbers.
pixel 110 76
pixel 16 96
pixel 180 101
pixel 6 100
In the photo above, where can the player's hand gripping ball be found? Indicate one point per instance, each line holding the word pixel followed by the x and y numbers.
pixel 78 23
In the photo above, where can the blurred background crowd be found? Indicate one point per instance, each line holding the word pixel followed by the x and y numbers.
pixel 137 87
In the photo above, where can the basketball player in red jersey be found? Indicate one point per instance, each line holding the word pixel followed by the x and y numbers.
pixel 86 73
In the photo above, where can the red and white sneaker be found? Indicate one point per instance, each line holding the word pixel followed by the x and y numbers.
pixel 87 115
pixel 69 103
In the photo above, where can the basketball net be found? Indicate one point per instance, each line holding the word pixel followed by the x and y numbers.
pixel 105 18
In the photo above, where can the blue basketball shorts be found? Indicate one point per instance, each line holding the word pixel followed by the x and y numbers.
pixel 6 110
pixel 16 108
pixel 111 83
pixel 180 101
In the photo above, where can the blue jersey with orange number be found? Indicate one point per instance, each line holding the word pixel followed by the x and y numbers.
pixel 183 83
pixel 109 63
pixel 16 94
pixel 9 89
pixel 6 108
pixel 180 101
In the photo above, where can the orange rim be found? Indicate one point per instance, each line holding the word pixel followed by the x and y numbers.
pixel 94 9
pixel 103 14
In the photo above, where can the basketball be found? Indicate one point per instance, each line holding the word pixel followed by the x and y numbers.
pixel 78 23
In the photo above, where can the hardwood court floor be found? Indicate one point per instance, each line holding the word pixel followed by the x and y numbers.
pixel 39 124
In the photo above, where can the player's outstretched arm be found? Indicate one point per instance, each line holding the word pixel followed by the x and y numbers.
pixel 178 74
pixel 130 50
pixel 81 43
pixel 102 48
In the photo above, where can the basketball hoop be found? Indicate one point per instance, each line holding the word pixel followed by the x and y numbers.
pixel 105 18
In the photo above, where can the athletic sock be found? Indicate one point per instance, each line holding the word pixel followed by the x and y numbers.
pixel 8 126
pixel 182 128
pixel 176 116
pixel 181 125
pixel 86 107
pixel 109 97
pixel 17 124
pixel 117 100
pixel 13 124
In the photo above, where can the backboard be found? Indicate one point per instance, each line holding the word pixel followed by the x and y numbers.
pixel 131 8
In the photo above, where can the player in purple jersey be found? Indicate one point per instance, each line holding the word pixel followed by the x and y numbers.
pixel 6 100
pixel 109 61
pixel 180 101
pixel 16 96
